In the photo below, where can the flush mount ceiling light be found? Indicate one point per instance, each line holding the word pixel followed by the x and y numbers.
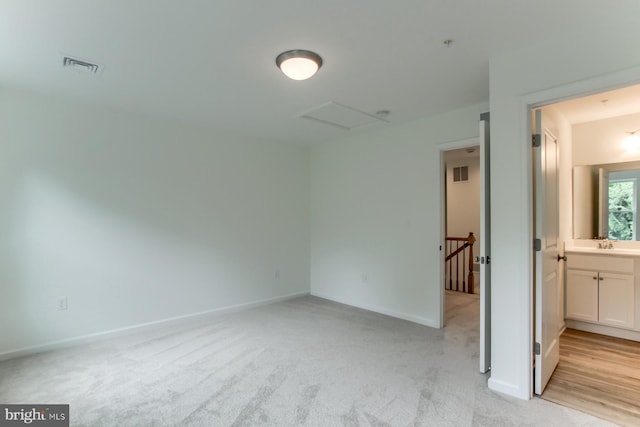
pixel 299 64
pixel 632 140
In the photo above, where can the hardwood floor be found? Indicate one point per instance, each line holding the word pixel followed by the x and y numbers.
pixel 599 375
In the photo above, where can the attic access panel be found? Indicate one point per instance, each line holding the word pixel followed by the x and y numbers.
pixel 341 116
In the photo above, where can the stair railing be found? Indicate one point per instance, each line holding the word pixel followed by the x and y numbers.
pixel 459 275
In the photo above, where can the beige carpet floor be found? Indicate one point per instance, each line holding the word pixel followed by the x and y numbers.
pixel 303 362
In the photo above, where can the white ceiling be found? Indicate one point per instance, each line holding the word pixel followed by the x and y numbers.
pixel 604 105
pixel 213 62
pixel 462 153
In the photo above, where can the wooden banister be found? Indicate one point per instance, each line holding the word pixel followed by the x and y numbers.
pixel 453 254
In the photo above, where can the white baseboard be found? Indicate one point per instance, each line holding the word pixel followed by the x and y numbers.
pixel 508 389
pixel 604 330
pixel 415 319
pixel 113 333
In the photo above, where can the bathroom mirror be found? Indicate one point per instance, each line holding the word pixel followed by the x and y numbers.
pixel 605 201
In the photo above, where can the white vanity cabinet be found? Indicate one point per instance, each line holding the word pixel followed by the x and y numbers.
pixel 616 300
pixel 582 295
pixel 601 289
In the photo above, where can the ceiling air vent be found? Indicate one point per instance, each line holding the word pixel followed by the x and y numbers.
pixel 80 65
pixel 461 174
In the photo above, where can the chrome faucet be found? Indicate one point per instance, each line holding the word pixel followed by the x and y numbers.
pixel 605 243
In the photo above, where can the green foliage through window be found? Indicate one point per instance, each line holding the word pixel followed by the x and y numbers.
pixel 621 210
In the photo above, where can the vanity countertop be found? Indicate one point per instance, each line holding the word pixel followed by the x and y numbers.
pixel 629 252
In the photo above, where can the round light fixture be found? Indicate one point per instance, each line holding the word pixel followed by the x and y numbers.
pixel 632 141
pixel 299 64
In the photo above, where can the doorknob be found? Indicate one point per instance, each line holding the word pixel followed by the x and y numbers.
pixel 482 259
pixel 563 258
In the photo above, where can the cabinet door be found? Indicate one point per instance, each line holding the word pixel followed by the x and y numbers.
pixel 616 300
pixel 582 295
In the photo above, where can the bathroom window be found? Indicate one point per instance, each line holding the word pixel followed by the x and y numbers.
pixel 622 209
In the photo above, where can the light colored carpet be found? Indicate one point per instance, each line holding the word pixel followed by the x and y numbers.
pixel 306 361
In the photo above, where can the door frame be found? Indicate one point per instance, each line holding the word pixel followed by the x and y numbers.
pixel 442 148
pixel 540 99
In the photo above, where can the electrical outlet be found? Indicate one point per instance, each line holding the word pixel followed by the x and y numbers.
pixel 61 303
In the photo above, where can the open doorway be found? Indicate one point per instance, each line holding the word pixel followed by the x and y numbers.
pixel 482 145
pixel 462 219
pixel 461 284
pixel 598 298
pixel 468 149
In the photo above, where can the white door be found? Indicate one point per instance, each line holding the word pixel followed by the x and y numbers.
pixel 485 241
pixel 547 337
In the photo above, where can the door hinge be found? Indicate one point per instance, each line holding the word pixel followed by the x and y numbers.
pixel 536 140
pixel 537 245
pixel 536 349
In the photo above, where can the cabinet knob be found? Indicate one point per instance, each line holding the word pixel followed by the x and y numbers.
pixel 595 277
pixel 601 278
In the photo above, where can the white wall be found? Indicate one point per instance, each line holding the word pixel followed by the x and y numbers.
pixel 137 219
pixel 554 69
pixel 375 216
pixel 607 141
pixel 463 201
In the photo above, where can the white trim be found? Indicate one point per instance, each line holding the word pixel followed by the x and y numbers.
pixel 461 143
pixel 526 193
pixel 506 388
pixel 626 334
pixel 528 102
pixel 602 83
pixel 415 319
pixel 156 324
